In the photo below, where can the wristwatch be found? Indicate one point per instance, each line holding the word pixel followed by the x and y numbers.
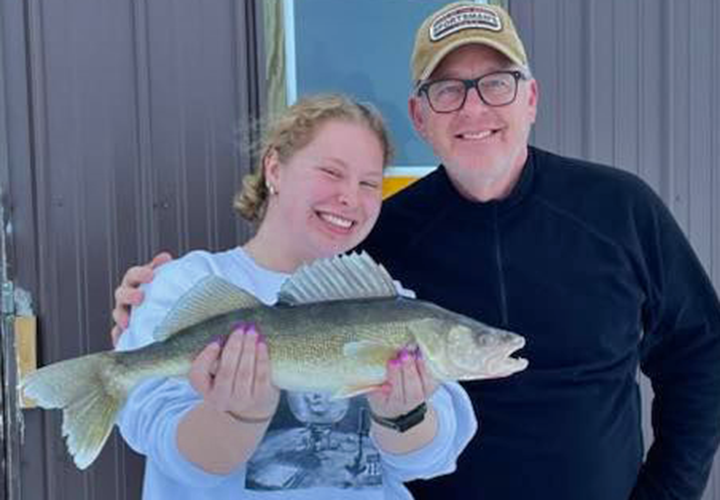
pixel 403 422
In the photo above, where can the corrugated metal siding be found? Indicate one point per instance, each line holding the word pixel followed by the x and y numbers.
pixel 135 115
pixel 634 83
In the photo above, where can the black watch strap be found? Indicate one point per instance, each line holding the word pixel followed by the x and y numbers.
pixel 403 422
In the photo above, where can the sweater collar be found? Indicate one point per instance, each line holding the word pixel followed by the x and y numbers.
pixel 519 192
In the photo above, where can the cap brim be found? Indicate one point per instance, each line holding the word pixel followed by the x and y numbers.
pixel 437 58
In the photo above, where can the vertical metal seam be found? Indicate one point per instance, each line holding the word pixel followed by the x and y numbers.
pixel 639 85
pixel 714 176
pixel 613 88
pixel 667 86
pixel 47 285
pixel 181 170
pixel 689 111
pixel 561 82
pixel 588 77
pixel 78 219
pixel 147 212
pixel 10 427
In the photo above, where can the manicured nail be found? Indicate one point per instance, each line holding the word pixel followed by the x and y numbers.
pixel 220 340
pixel 404 355
pixel 239 326
pixel 395 362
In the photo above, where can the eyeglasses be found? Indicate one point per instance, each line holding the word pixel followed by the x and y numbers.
pixel 495 89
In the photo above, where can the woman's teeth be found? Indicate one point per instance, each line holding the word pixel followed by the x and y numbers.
pixel 337 221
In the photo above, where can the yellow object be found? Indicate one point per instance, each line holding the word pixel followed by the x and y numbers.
pixel 392 185
pixel 398 178
pixel 26 351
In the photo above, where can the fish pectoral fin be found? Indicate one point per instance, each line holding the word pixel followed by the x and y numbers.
pixel 369 351
pixel 350 391
pixel 211 296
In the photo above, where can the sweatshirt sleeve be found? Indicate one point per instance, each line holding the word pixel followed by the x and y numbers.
pixel 680 353
pixel 149 419
pixel 456 426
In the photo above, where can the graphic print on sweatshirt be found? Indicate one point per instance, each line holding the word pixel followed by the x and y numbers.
pixel 316 441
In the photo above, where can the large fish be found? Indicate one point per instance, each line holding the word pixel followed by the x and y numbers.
pixel 336 325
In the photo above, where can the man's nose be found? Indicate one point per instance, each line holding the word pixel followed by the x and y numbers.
pixel 473 101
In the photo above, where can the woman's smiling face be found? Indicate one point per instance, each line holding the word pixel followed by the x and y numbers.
pixel 329 192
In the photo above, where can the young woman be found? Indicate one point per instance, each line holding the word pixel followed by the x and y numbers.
pixel 227 432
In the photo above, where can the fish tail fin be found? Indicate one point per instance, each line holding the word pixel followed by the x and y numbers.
pixel 77 386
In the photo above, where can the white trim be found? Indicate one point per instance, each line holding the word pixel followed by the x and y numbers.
pixel 405 171
pixel 290 55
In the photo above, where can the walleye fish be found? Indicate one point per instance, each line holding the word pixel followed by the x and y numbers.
pixel 336 325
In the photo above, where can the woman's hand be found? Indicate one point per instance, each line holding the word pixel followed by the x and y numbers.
pixel 408 385
pixel 129 294
pixel 235 379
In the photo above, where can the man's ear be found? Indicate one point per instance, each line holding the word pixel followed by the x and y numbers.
pixel 533 99
pixel 417 115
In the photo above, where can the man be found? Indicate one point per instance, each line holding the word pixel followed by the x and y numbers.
pixel 583 260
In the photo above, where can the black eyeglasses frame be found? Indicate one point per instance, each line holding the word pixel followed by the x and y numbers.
pixel 472 83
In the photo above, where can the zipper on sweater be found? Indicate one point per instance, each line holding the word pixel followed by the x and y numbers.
pixel 500 270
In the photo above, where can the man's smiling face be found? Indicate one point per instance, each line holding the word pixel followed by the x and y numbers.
pixel 478 141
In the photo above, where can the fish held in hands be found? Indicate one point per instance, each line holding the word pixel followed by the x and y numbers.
pixel 335 326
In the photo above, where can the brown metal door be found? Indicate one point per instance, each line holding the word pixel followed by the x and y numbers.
pixel 122 131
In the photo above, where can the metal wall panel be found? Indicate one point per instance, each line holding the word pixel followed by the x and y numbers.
pixel 634 84
pixel 134 113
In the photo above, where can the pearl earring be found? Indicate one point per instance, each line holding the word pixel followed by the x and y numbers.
pixel 271 189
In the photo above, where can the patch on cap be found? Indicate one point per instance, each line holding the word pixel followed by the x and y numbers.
pixel 462 18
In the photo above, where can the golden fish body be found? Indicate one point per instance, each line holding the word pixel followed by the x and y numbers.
pixel 337 324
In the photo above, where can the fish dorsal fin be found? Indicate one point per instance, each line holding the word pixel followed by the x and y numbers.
pixel 211 296
pixel 344 277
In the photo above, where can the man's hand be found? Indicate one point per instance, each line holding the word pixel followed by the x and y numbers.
pixel 129 294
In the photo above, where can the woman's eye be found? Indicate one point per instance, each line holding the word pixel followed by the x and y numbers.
pixel 330 172
pixel 371 185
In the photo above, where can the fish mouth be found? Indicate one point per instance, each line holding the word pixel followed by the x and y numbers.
pixel 504 364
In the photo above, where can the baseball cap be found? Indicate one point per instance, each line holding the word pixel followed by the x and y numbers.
pixel 463 23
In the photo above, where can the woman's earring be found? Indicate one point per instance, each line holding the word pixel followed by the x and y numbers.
pixel 271 189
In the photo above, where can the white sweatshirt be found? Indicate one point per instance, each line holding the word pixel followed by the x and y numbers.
pixel 314 449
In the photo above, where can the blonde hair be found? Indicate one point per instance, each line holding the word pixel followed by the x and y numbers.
pixel 294 130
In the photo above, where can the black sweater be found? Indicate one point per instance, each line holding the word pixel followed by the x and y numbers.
pixel 587 263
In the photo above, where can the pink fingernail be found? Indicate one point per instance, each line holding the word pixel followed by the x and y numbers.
pixel 404 355
pixel 395 362
pixel 220 340
pixel 239 326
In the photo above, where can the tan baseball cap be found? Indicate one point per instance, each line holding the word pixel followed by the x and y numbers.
pixel 459 24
